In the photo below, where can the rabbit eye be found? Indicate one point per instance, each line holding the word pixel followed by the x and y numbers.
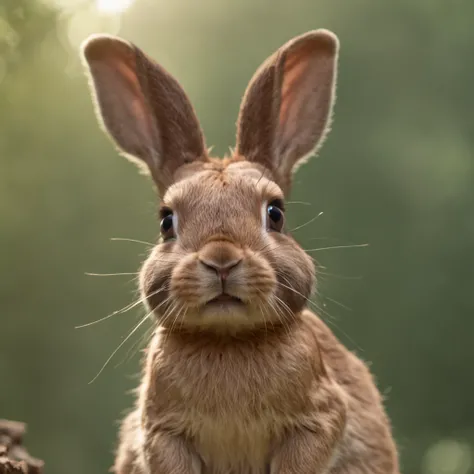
pixel 275 215
pixel 167 224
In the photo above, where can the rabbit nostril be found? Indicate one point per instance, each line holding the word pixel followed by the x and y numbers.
pixel 222 270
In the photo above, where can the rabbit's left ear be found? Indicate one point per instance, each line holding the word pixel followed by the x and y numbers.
pixel 287 107
pixel 143 108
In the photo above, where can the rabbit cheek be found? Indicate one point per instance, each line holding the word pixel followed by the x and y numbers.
pixel 257 282
pixel 296 294
pixel 295 275
pixel 189 284
pixel 154 282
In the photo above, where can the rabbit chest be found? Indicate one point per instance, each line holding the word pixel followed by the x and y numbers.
pixel 233 398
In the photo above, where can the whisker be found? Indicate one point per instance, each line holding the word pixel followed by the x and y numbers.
pixel 171 252
pixel 268 301
pixel 331 320
pixel 278 311
pixel 307 223
pixel 178 314
pixel 168 311
pixel 264 311
pixel 285 306
pixel 290 288
pixel 342 277
pixel 267 246
pixel 166 317
pixel 134 330
pixel 110 274
pixel 319 309
pixel 299 202
pixel 183 317
pixel 308 300
pixel 122 310
pixel 271 320
pixel 124 239
pixel 278 245
pixel 337 247
pixel 136 344
pixel 279 308
pixel 338 303
pixel 162 303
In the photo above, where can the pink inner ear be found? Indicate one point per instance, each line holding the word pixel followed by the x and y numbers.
pixel 143 108
pixel 293 93
pixel 125 89
pixel 127 74
pixel 138 105
pixel 305 98
pixel 300 74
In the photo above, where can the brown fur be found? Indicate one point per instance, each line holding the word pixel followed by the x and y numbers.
pixel 255 383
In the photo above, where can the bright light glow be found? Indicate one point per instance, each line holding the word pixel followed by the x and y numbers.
pixel 86 21
pixel 113 6
pixel 448 456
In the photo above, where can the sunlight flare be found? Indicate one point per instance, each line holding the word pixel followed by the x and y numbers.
pixel 113 6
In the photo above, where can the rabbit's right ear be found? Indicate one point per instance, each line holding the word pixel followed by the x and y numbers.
pixel 143 108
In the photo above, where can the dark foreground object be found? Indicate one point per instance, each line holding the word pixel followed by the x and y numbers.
pixel 14 458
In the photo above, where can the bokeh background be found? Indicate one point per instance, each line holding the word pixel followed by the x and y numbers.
pixel 397 173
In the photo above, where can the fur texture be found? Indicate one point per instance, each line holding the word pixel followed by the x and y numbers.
pixel 240 377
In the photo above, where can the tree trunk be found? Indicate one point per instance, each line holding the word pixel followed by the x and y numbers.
pixel 14 458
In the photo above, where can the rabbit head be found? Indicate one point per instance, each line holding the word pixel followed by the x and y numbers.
pixel 224 259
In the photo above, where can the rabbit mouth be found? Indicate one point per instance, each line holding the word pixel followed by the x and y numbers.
pixel 224 299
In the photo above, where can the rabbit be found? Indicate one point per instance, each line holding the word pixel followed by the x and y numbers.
pixel 240 377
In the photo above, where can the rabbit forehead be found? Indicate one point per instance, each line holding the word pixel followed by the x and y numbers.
pixel 240 183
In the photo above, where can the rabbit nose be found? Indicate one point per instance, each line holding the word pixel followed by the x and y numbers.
pixel 222 269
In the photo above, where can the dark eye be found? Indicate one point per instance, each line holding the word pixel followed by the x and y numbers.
pixel 275 215
pixel 166 225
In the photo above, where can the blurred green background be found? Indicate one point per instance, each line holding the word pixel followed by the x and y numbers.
pixel 397 173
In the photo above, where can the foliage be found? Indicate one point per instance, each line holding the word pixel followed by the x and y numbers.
pixel 396 173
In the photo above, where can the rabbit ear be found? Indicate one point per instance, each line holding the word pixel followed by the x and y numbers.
pixel 143 108
pixel 287 107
